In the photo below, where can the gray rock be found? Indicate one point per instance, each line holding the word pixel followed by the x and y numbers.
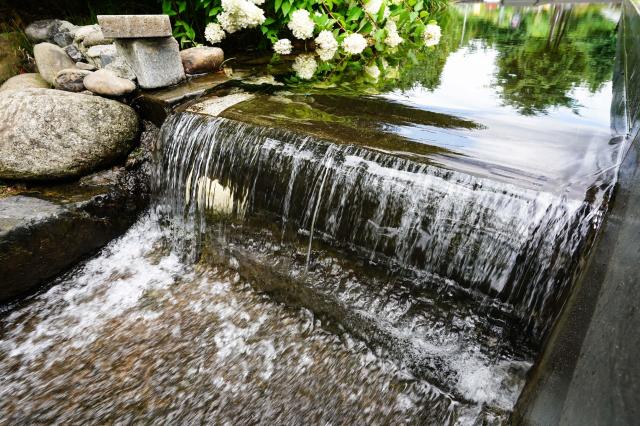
pixel 155 61
pixel 202 59
pixel 63 38
pixel 95 38
pixel 74 53
pixel 85 66
pixel 135 26
pixel 71 79
pixel 50 59
pixel 84 31
pixel 120 68
pixel 25 81
pixel 43 30
pixel 49 134
pixel 101 55
pixel 69 28
pixel 107 83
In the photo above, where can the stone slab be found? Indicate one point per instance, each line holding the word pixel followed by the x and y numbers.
pixel 155 61
pixel 135 26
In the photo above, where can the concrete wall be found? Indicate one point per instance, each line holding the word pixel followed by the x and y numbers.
pixel 589 371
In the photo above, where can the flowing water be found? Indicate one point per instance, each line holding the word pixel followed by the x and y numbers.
pixel 321 257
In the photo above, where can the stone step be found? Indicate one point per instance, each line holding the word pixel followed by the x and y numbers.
pixel 135 26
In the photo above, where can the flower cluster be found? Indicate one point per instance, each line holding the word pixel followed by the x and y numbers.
pixel 326 45
pixel 354 44
pixel 240 14
pixel 301 24
pixel 214 33
pixel 432 35
pixel 305 66
pixel 282 46
pixel 393 38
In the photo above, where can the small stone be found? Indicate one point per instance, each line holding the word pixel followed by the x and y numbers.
pixel 25 81
pixel 107 83
pixel 102 55
pixel 63 38
pixel 71 79
pixel 85 66
pixel 120 68
pixel 135 26
pixel 202 59
pixel 94 39
pixel 74 53
pixel 83 31
pixel 155 61
pixel 50 59
pixel 69 28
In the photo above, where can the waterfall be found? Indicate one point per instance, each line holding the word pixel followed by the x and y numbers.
pixel 513 246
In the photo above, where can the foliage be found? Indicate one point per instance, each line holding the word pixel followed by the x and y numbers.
pixel 335 35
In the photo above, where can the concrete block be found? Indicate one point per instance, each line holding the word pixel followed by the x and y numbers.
pixel 135 26
pixel 155 61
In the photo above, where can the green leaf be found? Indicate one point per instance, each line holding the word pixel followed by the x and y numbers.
pixel 277 5
pixel 380 16
pixel 182 6
pixel 286 7
pixel 354 13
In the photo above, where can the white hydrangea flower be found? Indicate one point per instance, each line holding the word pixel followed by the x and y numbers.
pixel 354 44
pixel 213 33
pixel 305 66
pixel 301 24
pixel 373 6
pixel 327 45
pixel 372 71
pixel 282 46
pixel 239 14
pixel 432 35
pixel 393 38
pixel 258 2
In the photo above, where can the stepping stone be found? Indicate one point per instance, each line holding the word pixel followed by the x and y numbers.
pixel 107 83
pixel 155 61
pixel 201 59
pixel 135 26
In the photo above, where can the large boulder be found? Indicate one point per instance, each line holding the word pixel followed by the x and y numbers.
pixel 50 60
pixel 107 83
pixel 155 61
pixel 25 81
pixel 50 134
pixel 201 59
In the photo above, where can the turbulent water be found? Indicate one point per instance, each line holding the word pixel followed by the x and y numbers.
pixel 137 335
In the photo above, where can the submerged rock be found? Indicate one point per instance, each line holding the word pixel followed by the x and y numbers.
pixel 155 61
pixel 107 83
pixel 49 134
pixel 71 79
pixel 51 59
pixel 25 81
pixel 201 59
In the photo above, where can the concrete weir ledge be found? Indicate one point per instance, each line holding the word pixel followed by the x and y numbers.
pixel 588 372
